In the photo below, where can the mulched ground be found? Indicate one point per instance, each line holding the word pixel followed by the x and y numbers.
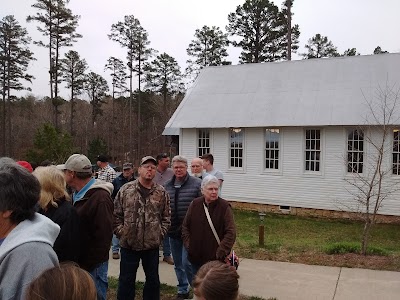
pixel 348 260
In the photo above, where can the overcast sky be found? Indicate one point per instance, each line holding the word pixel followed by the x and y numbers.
pixel 363 24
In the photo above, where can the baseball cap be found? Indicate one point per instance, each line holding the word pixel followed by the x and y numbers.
pixel 77 163
pixel 148 158
pixel 127 166
pixel 26 165
pixel 102 158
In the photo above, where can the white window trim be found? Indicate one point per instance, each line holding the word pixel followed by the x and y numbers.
pixel 244 143
pixel 210 140
pixel 391 144
pixel 273 171
pixel 365 150
pixel 322 153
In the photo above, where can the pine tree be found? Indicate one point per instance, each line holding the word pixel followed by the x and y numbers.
pixel 208 48
pixel 319 46
pixel 118 75
pixel 96 87
pixel 351 52
pixel 15 57
pixel 132 36
pixel 58 25
pixel 378 50
pixel 50 144
pixel 263 30
pixel 73 73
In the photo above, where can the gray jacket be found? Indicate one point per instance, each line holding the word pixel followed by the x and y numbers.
pixel 25 253
pixel 180 200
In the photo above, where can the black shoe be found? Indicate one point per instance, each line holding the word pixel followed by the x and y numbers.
pixel 182 296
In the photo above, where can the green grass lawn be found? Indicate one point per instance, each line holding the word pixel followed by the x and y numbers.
pixel 296 235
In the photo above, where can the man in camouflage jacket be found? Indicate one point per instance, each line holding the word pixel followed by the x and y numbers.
pixel 142 217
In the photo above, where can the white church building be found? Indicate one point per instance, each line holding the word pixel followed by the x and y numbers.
pixel 293 135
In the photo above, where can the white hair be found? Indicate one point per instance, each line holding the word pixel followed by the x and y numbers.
pixel 180 158
pixel 209 179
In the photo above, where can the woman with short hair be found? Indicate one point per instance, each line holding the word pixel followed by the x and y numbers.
pixel 55 204
pixel 197 235
pixel 26 237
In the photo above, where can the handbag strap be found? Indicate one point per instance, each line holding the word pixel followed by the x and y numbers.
pixel 211 224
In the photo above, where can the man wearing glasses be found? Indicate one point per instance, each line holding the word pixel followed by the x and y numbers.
pixel 142 217
pixel 163 174
pixel 182 189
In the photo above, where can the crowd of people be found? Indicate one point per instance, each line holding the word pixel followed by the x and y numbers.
pixel 57 224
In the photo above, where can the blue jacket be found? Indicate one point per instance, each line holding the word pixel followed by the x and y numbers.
pixel 180 200
pixel 118 182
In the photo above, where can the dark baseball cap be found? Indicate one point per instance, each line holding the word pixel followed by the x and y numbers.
pixel 127 166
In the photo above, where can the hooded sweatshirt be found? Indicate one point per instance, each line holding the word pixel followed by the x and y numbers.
pixel 95 210
pixel 25 253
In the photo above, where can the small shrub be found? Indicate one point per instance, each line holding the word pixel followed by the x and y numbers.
pixel 377 251
pixel 342 248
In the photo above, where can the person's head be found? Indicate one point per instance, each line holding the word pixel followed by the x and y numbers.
pixel 127 170
pixel 46 163
pixel 77 171
pixel 208 161
pixel 216 280
pixel 209 188
pixel 196 167
pixel 53 186
pixel 102 160
pixel 147 169
pixel 63 282
pixel 163 161
pixel 26 165
pixel 19 193
pixel 179 166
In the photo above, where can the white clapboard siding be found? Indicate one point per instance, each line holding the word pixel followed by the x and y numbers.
pixel 290 185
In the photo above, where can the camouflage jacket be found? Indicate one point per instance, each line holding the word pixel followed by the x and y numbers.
pixel 139 223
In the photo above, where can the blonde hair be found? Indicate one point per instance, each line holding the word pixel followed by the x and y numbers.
pixel 53 186
pixel 63 282
pixel 216 280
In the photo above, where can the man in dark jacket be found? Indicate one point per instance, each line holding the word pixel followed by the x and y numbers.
pixel 124 177
pixel 93 203
pixel 182 189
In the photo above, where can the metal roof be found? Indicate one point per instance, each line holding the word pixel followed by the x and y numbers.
pixel 313 92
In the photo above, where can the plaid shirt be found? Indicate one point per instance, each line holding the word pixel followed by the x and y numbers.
pixel 107 174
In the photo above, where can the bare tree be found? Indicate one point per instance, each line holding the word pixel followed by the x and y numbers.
pixel 370 182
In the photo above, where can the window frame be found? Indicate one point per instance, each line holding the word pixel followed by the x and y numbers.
pixel 279 149
pixel 201 140
pixel 305 150
pixel 395 152
pixel 242 148
pixel 349 131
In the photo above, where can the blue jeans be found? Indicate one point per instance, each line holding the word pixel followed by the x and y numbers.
pixel 115 244
pixel 183 269
pixel 99 274
pixel 195 269
pixel 127 276
pixel 166 247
